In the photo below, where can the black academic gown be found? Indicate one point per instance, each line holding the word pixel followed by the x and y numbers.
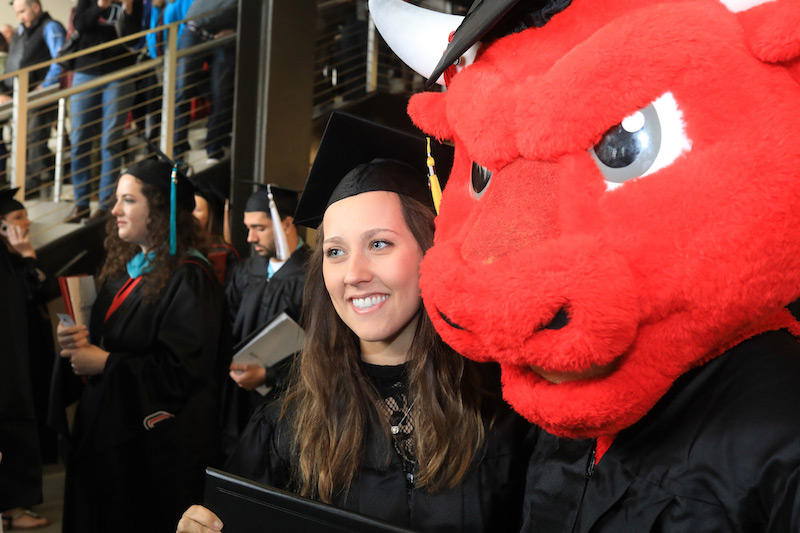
pixel 252 303
pixel 224 259
pixel 146 428
pixel 38 289
pixel 488 498
pixel 719 452
pixel 21 466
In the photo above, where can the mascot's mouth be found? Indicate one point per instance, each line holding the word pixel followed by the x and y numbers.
pixel 559 320
pixel 450 322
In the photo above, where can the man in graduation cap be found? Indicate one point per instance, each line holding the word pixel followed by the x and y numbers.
pixel 260 288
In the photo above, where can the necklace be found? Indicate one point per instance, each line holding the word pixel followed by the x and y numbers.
pixel 396 428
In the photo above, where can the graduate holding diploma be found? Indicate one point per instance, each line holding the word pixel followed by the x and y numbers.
pixel 146 424
pixel 381 418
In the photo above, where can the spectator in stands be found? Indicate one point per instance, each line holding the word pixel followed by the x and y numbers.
pixel 165 12
pixel 38 39
pixel 102 109
pixel 209 19
pixel 147 108
pixel 7 31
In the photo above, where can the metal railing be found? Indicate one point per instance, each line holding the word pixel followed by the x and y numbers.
pixel 152 103
pixel 351 62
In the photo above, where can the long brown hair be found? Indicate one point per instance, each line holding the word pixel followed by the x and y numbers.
pixel 119 252
pixel 332 401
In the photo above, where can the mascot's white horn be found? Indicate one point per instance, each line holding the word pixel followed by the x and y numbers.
pixel 417 35
pixel 743 5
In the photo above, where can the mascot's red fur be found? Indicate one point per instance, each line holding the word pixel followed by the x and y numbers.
pixel 656 276
pixel 614 282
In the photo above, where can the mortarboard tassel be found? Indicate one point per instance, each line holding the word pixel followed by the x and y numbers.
pixel 173 244
pixel 433 180
pixel 281 242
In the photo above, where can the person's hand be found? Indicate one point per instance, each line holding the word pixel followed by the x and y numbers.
pixel 86 359
pixel 72 337
pixel 5 98
pixel 89 360
pixel 158 3
pixel 248 377
pixel 20 240
pixel 223 33
pixel 127 5
pixel 104 4
pixel 198 519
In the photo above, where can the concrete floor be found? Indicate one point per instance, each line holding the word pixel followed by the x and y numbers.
pixel 53 504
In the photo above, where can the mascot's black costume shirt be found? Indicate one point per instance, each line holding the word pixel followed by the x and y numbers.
pixel 703 459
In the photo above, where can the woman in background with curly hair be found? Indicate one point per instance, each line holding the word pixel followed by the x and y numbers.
pixel 146 425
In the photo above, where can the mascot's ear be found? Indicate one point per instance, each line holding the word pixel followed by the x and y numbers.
pixel 427 111
pixel 771 29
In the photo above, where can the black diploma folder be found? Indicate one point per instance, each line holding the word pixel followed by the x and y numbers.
pixel 245 506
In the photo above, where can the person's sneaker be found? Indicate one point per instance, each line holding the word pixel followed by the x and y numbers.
pixel 211 161
pixel 77 214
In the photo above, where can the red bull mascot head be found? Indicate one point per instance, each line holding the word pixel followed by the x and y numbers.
pixel 625 197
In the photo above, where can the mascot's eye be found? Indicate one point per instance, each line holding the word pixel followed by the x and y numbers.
pixel 481 176
pixel 643 143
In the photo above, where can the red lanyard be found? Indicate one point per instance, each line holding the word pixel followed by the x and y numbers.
pixel 121 295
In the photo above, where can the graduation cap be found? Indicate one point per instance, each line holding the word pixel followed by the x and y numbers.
pixel 418 35
pixel 8 203
pixel 357 155
pixel 279 202
pixel 487 20
pixel 165 174
pixel 205 188
pixel 159 175
pixel 285 199
pixel 481 17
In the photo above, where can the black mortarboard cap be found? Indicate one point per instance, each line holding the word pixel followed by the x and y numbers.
pixel 8 203
pixel 159 174
pixel 285 200
pixel 357 155
pixel 495 17
pixel 208 189
pixel 482 15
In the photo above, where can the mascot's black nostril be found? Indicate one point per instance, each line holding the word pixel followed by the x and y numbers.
pixel 560 320
pixel 450 322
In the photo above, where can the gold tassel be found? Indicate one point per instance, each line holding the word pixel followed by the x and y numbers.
pixel 433 180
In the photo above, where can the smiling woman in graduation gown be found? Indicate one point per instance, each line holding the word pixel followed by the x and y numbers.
pixel 146 424
pixel 488 498
pixel 381 417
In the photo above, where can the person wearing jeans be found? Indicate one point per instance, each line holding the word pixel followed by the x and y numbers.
pixel 214 19
pixel 100 111
pixel 104 108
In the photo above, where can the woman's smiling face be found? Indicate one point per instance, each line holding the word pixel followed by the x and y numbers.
pixel 132 211
pixel 371 269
